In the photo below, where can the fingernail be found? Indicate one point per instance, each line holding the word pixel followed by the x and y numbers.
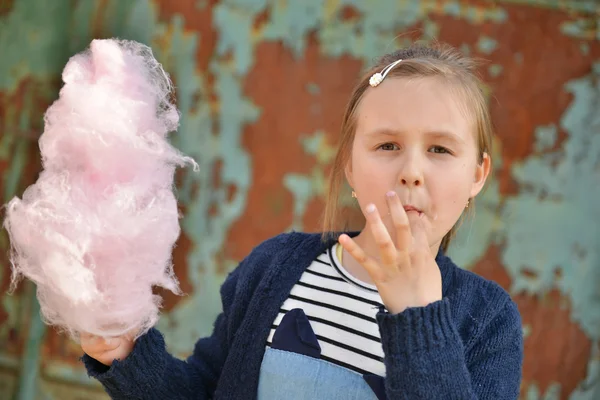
pixel 391 193
pixel 370 208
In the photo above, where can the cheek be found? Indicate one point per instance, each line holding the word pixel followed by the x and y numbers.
pixel 450 197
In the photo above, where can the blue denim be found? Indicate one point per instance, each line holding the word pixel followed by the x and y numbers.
pixel 291 376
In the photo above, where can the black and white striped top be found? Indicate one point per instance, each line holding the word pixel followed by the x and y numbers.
pixel 341 310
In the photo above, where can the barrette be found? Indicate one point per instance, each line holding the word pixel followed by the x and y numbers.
pixel 378 77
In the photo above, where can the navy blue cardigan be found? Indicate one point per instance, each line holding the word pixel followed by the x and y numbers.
pixel 469 345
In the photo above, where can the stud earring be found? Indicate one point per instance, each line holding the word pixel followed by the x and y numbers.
pixel 353 194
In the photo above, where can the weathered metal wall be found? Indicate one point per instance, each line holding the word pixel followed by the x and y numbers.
pixel 261 86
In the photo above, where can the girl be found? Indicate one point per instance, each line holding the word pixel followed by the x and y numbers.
pixel 378 314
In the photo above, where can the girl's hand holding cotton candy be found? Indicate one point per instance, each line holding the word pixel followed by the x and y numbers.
pixel 96 231
pixel 109 349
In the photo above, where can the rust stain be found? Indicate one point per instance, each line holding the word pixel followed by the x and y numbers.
pixel 556 349
pixel 274 140
pixel 16 101
pixel 6 6
pixel 196 19
pixel 529 92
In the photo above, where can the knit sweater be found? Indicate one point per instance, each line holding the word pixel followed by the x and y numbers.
pixel 469 345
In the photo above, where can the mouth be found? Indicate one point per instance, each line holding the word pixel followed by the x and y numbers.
pixel 408 208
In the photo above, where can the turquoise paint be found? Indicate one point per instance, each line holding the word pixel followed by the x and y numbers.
pixel 549 223
pixel 585 48
pixel 495 70
pixel 42 29
pixel 313 89
pixel 545 137
pixel 431 29
pixel 478 228
pixel 473 14
pixel 526 331
pixel 581 28
pixel 552 392
pixel 294 20
pixel 465 49
pixel 195 136
pixel 586 6
pixel 486 44
pixel 303 191
pixel 589 388
pixel 234 19
pixel 481 225
pixel 306 187
pixel 28 378
pixel 365 38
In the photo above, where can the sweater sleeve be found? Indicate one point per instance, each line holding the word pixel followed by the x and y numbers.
pixel 150 372
pixel 425 356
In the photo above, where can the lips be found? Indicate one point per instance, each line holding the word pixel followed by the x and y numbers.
pixel 409 208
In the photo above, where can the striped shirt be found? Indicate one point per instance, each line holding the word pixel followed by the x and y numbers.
pixel 341 310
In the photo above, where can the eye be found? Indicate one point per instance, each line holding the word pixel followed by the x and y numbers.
pixel 439 150
pixel 388 147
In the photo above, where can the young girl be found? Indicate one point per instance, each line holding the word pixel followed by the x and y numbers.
pixel 378 314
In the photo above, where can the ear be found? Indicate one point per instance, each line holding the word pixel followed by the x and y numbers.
pixel 482 171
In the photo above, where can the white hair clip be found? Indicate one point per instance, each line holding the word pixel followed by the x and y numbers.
pixel 378 77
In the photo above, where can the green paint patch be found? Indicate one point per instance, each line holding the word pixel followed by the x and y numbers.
pixel 305 187
pixel 545 137
pixel 495 70
pixel 548 225
pixel 313 88
pixel 487 45
pixel 475 15
pixel 585 48
pixel 552 392
pixel 42 29
pixel 465 49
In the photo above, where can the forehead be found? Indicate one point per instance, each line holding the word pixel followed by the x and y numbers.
pixel 414 105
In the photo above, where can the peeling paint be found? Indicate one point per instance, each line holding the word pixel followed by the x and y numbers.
pixel 551 198
pixel 495 70
pixel 545 137
pixel 486 44
pixel 541 228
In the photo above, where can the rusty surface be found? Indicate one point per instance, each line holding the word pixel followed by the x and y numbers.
pixel 299 98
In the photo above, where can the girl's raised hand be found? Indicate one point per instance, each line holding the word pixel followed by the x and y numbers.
pixel 407 275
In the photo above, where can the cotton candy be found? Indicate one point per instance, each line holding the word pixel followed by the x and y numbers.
pixel 97 229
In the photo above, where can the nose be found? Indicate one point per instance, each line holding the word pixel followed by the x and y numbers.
pixel 411 172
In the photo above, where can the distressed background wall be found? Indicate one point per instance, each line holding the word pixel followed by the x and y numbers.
pixel 261 85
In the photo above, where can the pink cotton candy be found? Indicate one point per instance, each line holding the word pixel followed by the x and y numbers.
pixel 97 229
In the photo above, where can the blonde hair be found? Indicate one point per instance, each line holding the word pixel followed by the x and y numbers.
pixel 442 62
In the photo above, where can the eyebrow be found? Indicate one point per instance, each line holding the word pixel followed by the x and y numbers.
pixel 437 134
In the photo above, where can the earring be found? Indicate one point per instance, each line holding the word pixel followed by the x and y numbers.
pixel 468 201
pixel 353 194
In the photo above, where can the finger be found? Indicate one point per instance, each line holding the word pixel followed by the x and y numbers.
pixel 382 238
pixel 99 344
pixel 88 339
pixel 419 234
pixel 401 224
pixel 86 336
pixel 359 255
